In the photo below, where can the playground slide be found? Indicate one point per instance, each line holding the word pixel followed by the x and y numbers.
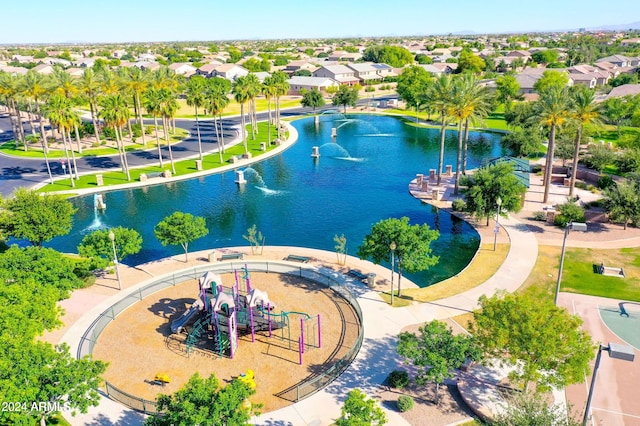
pixel 184 319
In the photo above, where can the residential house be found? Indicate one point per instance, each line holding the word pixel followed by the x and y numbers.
pixel 146 65
pixel 84 62
pixel 435 71
pixel 385 71
pixel 147 57
pixel 299 84
pixel 340 73
pixel 345 56
pixel 44 69
pixel 624 90
pixel 183 68
pixel 618 60
pixel 22 59
pixel 262 75
pixel 75 72
pixel 230 71
pixel 588 80
pixel 297 65
pixel 630 41
pixel 119 53
pixel 524 54
pixel 366 72
pixel 208 70
pixel 14 70
pixel 602 77
pixel 529 76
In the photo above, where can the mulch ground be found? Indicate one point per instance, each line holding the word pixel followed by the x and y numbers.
pixel 138 344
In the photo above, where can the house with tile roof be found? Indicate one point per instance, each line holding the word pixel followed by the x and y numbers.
pixel 340 73
pixel 299 84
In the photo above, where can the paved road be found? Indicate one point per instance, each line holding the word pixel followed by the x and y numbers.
pixel 21 172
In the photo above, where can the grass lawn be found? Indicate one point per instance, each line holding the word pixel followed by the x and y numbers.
pixel 211 161
pixel 495 120
pixel 578 275
pixel 609 133
pixel 9 148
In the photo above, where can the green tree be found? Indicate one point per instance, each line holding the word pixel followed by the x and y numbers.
pixel 423 59
pixel 312 99
pixel 205 402
pixel 115 114
pixel 616 111
pixel 483 188
pixel 36 218
pixel 549 80
pixel 302 73
pixel 507 90
pixel 622 202
pixel 346 96
pixel 38 371
pixel 394 56
pixel 152 102
pixel 98 246
pixel 623 79
pixel 527 409
pixel 241 95
pixel 552 110
pixel 436 352
pixel 599 156
pixel 413 85
pixel 413 245
pixel 216 101
pixel 522 142
pixel 180 228
pixel 359 410
pixel 542 342
pixel 547 56
pixel 468 62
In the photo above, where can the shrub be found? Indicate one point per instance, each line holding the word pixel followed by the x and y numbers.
pixel 591 188
pixel 541 216
pixel 458 205
pixel 136 129
pixel 569 212
pixel 369 89
pixel 405 403
pixel 605 182
pixel 580 184
pixel 398 379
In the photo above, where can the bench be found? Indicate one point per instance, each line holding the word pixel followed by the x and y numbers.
pixel 231 256
pixel 296 258
pixel 234 159
pixel 357 274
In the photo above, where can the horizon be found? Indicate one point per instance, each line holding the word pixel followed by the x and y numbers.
pixel 120 22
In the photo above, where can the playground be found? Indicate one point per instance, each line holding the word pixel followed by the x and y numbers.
pixel 141 346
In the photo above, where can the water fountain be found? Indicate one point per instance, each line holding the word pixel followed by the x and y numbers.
pixel 250 171
pixel 315 152
pixel 240 180
pixel 98 202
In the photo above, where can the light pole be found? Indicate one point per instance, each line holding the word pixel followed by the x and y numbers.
pixel 393 247
pixel 112 237
pixel 497 228
pixel 571 226
pixel 616 351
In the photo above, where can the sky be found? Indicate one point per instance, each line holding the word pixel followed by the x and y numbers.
pixel 119 21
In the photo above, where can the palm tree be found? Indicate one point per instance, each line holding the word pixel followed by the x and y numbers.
pixel 478 107
pixel 9 89
pixel 152 101
pixel 195 94
pixel 34 88
pixel 269 90
pixel 89 86
pixel 216 101
pixel 63 84
pixel 135 82
pixel 282 86
pixel 59 111
pixel 241 95
pixel 165 78
pixel 440 98
pixel 168 108
pixel 584 112
pixel 552 110
pixel 115 114
pixel 253 90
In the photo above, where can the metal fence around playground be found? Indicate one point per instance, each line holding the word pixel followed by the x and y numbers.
pixel 300 391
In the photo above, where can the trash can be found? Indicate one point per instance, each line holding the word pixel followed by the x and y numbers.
pixel 212 256
pixel 371 280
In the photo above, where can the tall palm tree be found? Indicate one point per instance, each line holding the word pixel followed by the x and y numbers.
pixel 63 83
pixel 168 108
pixel 241 95
pixel 269 90
pixel 439 97
pixel 217 100
pixel 135 81
pixel 165 78
pixel 196 96
pixel 478 107
pixel 9 90
pixel 282 86
pixel 115 114
pixel 552 110
pixel 34 88
pixel 89 86
pixel 58 110
pixel 253 90
pixel 152 101
pixel 585 112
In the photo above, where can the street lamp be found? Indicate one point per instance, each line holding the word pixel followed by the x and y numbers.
pixel 571 226
pixel 616 351
pixel 393 247
pixel 497 228
pixel 112 237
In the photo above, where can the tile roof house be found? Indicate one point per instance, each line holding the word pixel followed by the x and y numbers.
pixel 624 90
pixel 340 73
pixel 183 68
pixel 230 71
pixel 208 70
pixel 385 70
pixel 529 76
pixel 75 72
pixel 619 60
pixel 365 71
pixel 602 77
pixel 301 64
pixel 297 84
pixel 44 69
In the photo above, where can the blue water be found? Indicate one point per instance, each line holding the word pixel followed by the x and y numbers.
pixel 298 201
